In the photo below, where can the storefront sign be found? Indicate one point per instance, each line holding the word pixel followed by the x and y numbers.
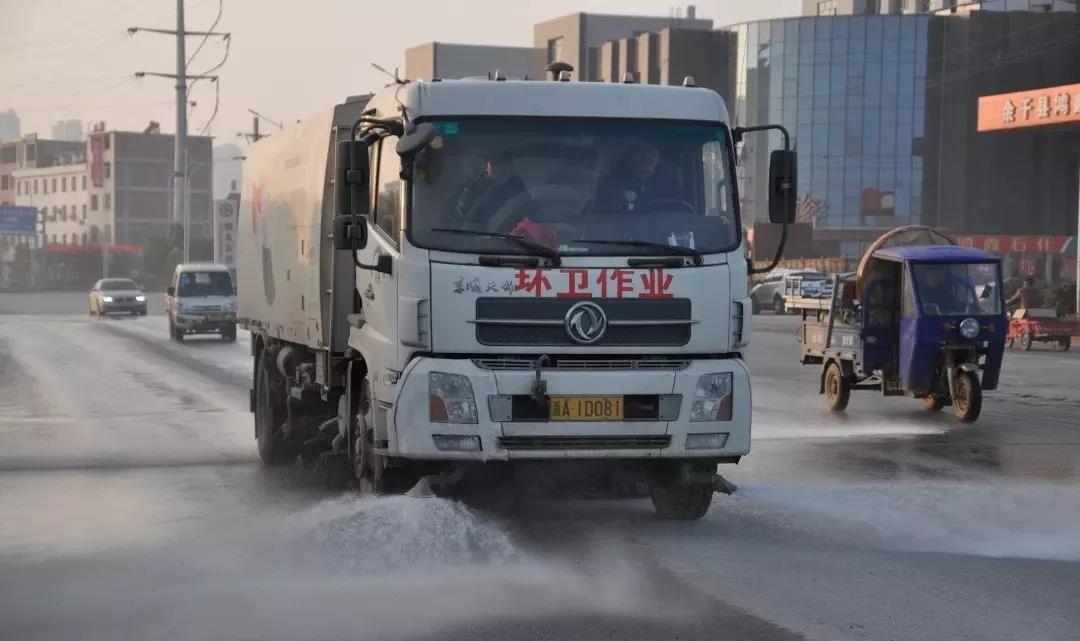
pixel 1009 244
pixel 1035 108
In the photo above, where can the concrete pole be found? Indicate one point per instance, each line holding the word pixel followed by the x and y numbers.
pixel 180 142
pixel 187 208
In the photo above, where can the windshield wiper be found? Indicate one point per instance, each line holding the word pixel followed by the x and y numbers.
pixel 670 250
pixel 521 241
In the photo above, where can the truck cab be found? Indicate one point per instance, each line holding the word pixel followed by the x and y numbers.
pixel 543 278
pixel 201 299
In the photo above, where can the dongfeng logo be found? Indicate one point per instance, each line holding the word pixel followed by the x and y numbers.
pixel 585 323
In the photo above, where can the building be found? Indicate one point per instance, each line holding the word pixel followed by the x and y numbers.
pixel 939 7
pixel 10 126
pixel 71 129
pixel 28 152
pixel 446 60
pixel 577 38
pixel 131 182
pixel 60 194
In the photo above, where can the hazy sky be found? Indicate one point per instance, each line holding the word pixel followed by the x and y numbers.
pixel 289 59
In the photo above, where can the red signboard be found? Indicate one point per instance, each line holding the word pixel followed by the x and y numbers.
pixel 96 161
pixel 1011 244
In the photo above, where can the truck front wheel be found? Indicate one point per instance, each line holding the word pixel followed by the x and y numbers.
pixel 269 417
pixel 681 502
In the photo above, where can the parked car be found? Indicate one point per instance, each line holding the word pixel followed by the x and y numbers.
pixel 117 296
pixel 769 292
pixel 201 300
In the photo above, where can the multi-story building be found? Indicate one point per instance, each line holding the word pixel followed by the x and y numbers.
pixel 71 129
pixel 131 183
pixel 577 38
pixel 940 7
pixel 10 126
pixel 60 195
pixel 446 60
pixel 28 152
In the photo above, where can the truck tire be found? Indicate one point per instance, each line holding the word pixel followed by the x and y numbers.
pixel 681 502
pixel 269 417
pixel 967 397
pixel 934 403
pixel 837 388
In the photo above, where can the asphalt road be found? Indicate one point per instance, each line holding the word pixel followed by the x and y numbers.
pixel 132 506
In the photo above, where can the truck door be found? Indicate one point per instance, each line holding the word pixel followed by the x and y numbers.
pixel 378 291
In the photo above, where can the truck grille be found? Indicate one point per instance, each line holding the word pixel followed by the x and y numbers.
pixel 584 364
pixel 646 323
pixel 632 442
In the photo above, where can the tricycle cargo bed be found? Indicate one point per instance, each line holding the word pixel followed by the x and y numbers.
pixel 844 343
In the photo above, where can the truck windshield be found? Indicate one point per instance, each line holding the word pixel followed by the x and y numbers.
pixel 952 289
pixel 205 284
pixel 578 187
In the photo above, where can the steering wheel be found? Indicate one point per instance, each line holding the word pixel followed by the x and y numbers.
pixel 668 203
pixel 500 220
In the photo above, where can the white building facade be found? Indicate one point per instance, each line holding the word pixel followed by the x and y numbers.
pixel 66 213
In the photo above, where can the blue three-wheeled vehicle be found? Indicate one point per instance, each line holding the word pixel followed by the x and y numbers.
pixel 921 318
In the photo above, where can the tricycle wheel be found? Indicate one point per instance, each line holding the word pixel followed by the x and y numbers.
pixel 837 388
pixel 1025 340
pixel 967 397
pixel 934 403
pixel 1065 343
pixel 1010 343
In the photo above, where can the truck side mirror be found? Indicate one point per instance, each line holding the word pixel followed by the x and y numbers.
pixel 783 186
pixel 415 139
pixel 351 195
pixel 171 291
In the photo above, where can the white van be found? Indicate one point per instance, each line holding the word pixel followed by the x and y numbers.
pixel 201 300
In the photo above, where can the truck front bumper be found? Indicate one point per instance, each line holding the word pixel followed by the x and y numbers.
pixel 411 434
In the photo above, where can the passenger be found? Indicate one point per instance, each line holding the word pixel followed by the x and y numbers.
pixel 636 183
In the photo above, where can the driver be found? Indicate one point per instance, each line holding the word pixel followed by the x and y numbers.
pixel 934 290
pixel 483 196
pixel 631 186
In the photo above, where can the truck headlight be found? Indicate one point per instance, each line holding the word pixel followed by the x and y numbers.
pixel 450 398
pixel 969 328
pixel 712 399
pixel 106 299
pixel 140 298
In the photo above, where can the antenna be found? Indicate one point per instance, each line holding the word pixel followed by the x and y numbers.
pixel 393 76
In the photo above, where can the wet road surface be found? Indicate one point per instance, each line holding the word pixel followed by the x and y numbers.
pixel 132 506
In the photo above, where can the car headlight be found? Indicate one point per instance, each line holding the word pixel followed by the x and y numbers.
pixel 450 399
pixel 712 398
pixel 969 328
pixel 106 299
pixel 140 299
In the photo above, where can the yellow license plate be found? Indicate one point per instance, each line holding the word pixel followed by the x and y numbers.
pixel 585 408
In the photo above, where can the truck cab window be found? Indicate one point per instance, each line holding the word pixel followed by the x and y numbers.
pixel 386 188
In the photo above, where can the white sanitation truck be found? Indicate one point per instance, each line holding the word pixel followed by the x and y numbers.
pixel 498 282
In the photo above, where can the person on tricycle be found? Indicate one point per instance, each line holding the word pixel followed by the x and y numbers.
pixel 1027 297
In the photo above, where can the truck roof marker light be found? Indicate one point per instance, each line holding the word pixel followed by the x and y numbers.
pixel 688 81
pixel 564 76
pixel 628 78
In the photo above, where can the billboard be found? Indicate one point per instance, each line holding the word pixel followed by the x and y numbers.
pixel 18 221
pixel 1038 107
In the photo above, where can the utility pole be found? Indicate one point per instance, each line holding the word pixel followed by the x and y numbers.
pixel 254 135
pixel 180 216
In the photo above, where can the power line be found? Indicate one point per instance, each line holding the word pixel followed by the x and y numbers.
pixel 221 8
